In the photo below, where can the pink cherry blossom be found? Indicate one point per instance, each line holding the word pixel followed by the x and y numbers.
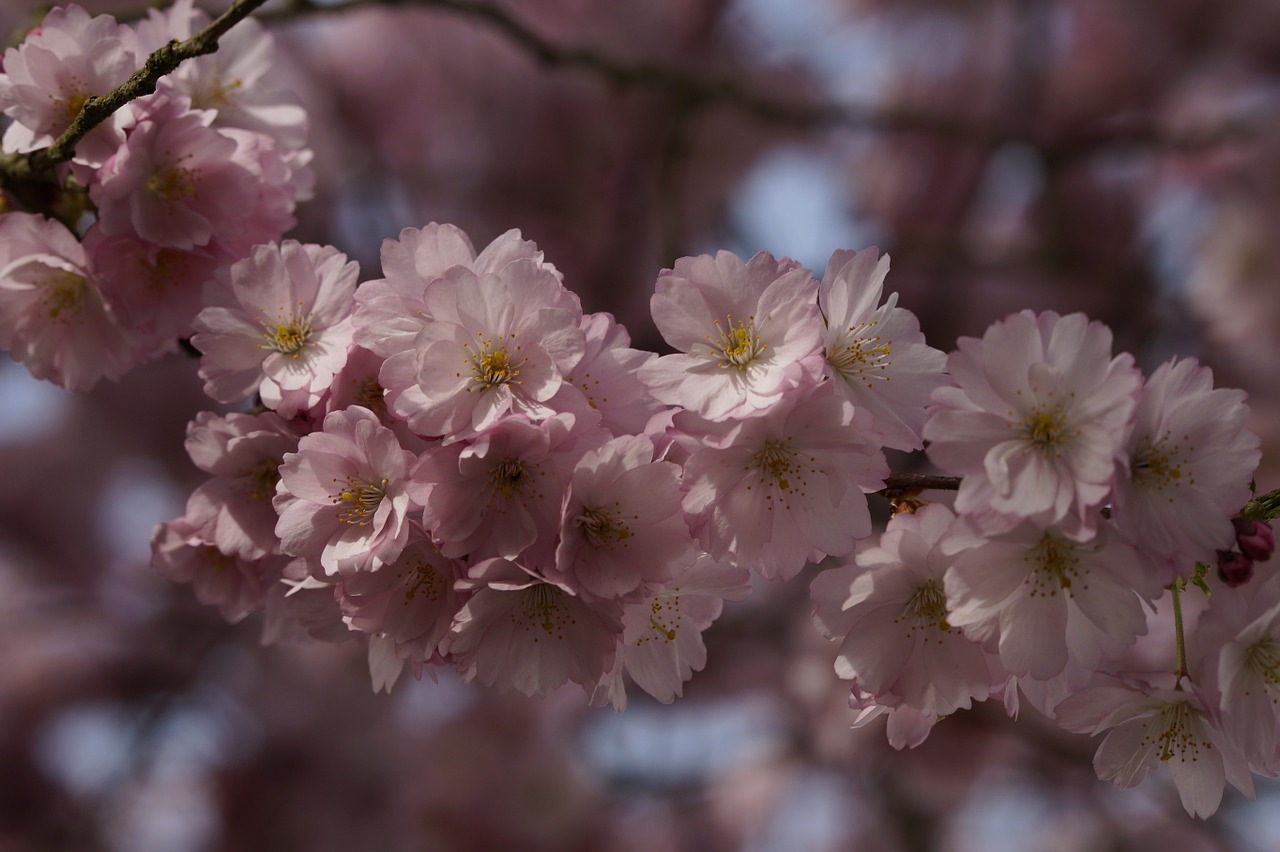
pixel 1148 726
pixel 607 376
pixel 1043 599
pixel 622 535
pixel 520 632
pixel 745 334
pixel 48 77
pixel 278 325
pixel 496 343
pixel 392 310
pixel 341 497
pixel 236 586
pixel 1190 463
pixel 300 608
pixel 410 602
pixel 1037 423
pixel 1237 641
pixel 234 510
pixel 662 635
pixel 232 81
pixel 176 181
pixel 875 353
pixel 889 611
pixel 155 291
pixel 785 487
pixel 501 493
pixel 53 316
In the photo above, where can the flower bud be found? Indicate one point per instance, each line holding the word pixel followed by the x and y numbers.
pixel 1255 539
pixel 1234 569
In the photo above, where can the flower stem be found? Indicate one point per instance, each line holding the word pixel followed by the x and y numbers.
pixel 1176 588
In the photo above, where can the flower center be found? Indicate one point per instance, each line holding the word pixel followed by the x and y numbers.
pixel 424 580
pixel 778 461
pixel 601 527
pixel 1262 659
pixel 509 476
pixel 543 606
pixel 218 95
pixel 373 396
pixel 1177 738
pixel 287 336
pixel 926 608
pixel 173 183
pixel 738 345
pixel 492 365
pixel 357 500
pixel 261 481
pixel 1158 464
pixel 862 354
pixel 664 620
pixel 71 106
pixel 1046 429
pixel 1056 565
pixel 63 294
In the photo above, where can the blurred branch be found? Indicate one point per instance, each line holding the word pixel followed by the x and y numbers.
pixel 903 482
pixel 688 89
pixel 691 90
pixel 37 166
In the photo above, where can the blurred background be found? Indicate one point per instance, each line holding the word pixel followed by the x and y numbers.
pixel 1119 157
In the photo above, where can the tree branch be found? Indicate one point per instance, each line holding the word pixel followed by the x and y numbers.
pixel 902 483
pixel 691 90
pixel 38 165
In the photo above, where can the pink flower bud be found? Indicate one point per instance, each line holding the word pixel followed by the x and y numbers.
pixel 1234 569
pixel 1255 539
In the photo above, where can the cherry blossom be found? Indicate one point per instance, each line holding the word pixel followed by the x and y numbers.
pixel 409 602
pixel 889 609
pixel 1042 599
pixel 392 310
pixel 502 492
pixel 1036 423
pixel 243 452
pixel 234 585
pixel 48 78
pixel 875 353
pixel 1147 726
pixel 496 342
pixel 774 491
pixel 746 333
pixel 233 81
pixel 53 315
pixel 1190 462
pixel 520 632
pixel 278 325
pixel 662 635
pixel 176 181
pixel 341 497
pixel 623 535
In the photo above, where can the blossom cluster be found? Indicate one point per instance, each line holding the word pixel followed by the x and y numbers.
pixel 457 464
pixel 163 196
pixel 1086 493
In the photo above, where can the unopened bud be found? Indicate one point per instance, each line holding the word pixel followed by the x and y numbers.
pixel 1234 569
pixel 1255 539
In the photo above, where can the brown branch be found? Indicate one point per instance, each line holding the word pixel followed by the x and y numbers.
pixel 38 165
pixel 902 482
